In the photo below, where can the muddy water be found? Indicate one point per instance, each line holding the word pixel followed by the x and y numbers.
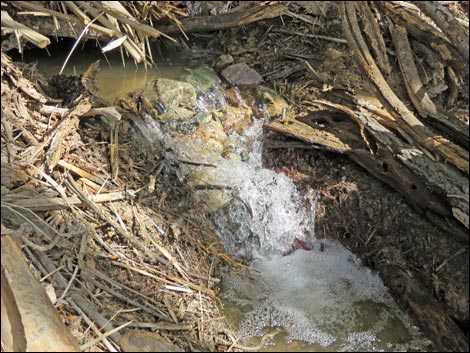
pixel 114 80
pixel 318 300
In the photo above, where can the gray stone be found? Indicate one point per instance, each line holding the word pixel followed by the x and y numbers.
pixel 241 75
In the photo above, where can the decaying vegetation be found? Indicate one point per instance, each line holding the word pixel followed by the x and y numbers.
pixel 386 85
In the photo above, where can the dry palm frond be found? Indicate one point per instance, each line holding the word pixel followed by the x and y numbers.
pixel 136 21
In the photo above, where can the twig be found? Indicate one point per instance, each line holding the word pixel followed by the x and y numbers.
pixel 58 302
pixel 92 325
pixel 442 265
pixel 99 339
pixel 159 326
pixel 77 41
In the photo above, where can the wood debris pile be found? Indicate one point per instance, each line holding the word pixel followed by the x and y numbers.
pixel 113 254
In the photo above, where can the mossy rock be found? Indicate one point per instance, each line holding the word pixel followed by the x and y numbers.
pixel 171 93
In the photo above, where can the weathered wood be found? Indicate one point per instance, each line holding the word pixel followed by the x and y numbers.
pixel 29 321
pixel 453 127
pixel 420 133
pixel 424 32
pixel 226 20
pixel 448 23
pixel 434 321
pixel 309 134
pixel 376 39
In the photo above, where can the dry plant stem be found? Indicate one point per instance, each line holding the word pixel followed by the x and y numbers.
pixel 87 345
pixel 150 302
pixel 158 326
pixel 54 242
pixel 84 304
pixel 170 279
pixel 91 324
pixel 60 203
pixel 80 172
pixel 31 36
pixel 158 315
pixel 34 6
pixel 133 23
pixel 129 45
pixel 119 230
pixel 76 10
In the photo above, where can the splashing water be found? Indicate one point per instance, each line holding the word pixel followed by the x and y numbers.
pixel 268 213
pixel 324 297
pixel 322 300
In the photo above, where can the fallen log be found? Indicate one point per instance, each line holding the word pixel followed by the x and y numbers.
pixel 226 20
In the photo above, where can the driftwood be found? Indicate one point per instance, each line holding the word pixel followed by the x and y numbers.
pixel 226 20
pixel 29 321
pixel 448 23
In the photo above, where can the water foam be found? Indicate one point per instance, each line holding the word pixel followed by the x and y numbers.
pixel 268 212
pixel 323 297
pixel 320 297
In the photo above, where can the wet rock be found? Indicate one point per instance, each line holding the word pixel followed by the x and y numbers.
pixel 207 84
pixel 272 101
pixel 236 119
pixel 171 93
pixel 176 114
pixel 223 61
pixel 233 96
pixel 209 140
pixel 204 144
pixel 139 341
pixel 212 190
pixel 241 75
pixel 203 78
pixel 212 129
pixel 212 200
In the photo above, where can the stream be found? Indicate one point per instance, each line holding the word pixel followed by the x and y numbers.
pixel 318 296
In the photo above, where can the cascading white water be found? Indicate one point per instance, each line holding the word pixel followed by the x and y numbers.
pixel 324 297
pixel 268 213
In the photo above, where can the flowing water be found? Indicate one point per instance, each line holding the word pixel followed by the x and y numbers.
pixel 319 300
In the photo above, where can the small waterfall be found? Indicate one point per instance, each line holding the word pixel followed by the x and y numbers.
pixel 323 299
pixel 268 216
